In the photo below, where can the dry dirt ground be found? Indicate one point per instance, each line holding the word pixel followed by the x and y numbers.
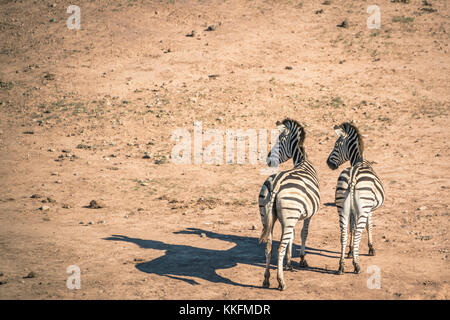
pixel 81 108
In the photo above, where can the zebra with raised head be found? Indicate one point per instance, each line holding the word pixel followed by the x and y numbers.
pixel 288 196
pixel 359 191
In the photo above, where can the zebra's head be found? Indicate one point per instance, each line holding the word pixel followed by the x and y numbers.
pixel 289 144
pixel 348 146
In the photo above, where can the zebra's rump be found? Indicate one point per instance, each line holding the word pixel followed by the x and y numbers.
pixel 368 188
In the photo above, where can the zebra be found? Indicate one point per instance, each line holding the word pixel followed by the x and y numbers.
pixel 359 191
pixel 288 196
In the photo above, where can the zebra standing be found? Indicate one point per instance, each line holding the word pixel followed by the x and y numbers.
pixel 288 196
pixel 358 193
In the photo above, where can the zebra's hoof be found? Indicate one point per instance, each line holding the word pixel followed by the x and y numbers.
pixel 288 267
pixel 266 283
pixel 303 263
pixel 357 268
pixel 371 251
pixel 282 287
pixel 340 271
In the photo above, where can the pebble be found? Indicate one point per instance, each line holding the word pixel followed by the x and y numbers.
pixel 44 208
pixel 94 204
pixel 30 275
pixel 422 208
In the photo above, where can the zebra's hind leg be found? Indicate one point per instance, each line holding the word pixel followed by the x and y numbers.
pixel 266 282
pixel 352 235
pixel 344 212
pixel 369 233
pixel 362 220
pixel 304 235
pixel 289 254
pixel 285 239
pixel 343 245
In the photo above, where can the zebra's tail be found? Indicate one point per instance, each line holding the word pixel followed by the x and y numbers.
pixel 269 220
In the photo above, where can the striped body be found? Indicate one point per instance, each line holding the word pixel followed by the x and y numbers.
pixel 359 192
pixel 288 196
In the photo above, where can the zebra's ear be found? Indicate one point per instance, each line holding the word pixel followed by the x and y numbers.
pixel 339 131
pixel 280 126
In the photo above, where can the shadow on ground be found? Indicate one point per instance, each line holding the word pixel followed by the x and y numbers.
pixel 183 262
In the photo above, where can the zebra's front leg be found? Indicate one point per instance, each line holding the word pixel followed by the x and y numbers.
pixel 266 282
pixel 285 239
pixel 369 233
pixel 362 220
pixel 304 235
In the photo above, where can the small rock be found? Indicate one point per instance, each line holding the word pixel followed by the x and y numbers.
pixel 203 235
pixel 49 76
pixel 288 68
pixel 44 208
pixel 146 156
pixel 45 200
pixel 94 204
pixel 422 208
pixel 343 24
pixel 211 28
pixel 30 275
pixel 66 206
pixel 36 196
pixel 3 282
pixel 190 34
pixel 28 132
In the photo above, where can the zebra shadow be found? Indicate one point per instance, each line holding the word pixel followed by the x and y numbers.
pixel 184 262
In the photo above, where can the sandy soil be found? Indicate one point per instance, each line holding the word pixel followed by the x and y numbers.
pixel 81 108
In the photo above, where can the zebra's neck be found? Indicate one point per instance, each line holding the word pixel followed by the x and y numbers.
pixel 298 157
pixel 356 159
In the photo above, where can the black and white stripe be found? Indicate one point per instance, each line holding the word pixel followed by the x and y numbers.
pixel 359 191
pixel 288 196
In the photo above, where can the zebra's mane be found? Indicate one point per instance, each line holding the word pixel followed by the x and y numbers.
pixel 291 123
pixel 348 128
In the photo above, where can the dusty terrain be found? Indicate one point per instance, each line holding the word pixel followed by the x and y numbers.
pixel 81 108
